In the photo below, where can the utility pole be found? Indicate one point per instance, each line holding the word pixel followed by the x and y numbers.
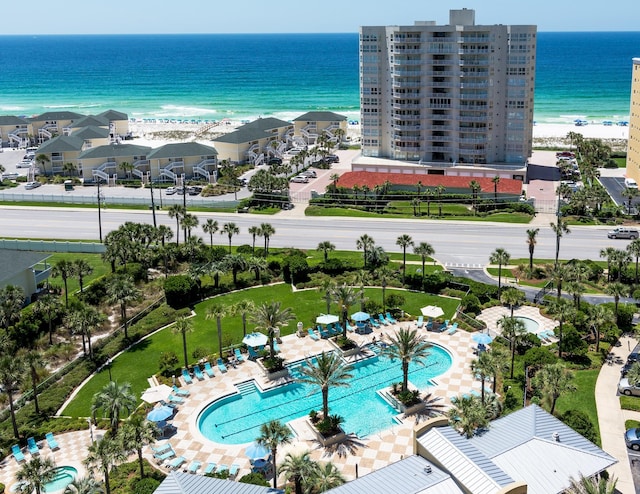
pixel 153 206
pixel 99 211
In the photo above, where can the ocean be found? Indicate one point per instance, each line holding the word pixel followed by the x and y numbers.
pixel 244 76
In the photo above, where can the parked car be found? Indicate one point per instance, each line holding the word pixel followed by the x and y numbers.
pixel 626 388
pixel 194 190
pixel 623 232
pixel 301 179
pixel 32 185
pixel 309 173
pixel 332 158
pixel 630 183
pixel 24 164
pixel 274 161
pixel 180 191
pixel 632 438
pixel 170 191
pixel 9 176
pixel 287 206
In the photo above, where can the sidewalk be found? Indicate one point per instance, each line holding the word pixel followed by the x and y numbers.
pixel 611 418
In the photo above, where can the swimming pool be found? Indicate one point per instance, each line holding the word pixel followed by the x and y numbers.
pixel 236 419
pixel 531 325
pixel 64 475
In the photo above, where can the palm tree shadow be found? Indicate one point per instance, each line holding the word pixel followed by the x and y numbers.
pixel 349 446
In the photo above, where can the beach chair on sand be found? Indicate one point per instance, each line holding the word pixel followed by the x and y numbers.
pixel 221 366
pixel 17 453
pixel 210 468
pixel 176 462
pixel 238 354
pixel 390 318
pixel 51 441
pixel 194 466
pixel 208 369
pixel 420 322
pixel 180 392
pixel 233 471
pixel 32 446
pixel 198 372
pixel 313 334
pixel 186 376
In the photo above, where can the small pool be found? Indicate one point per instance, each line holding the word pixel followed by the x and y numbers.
pixel 531 325
pixel 236 419
pixel 64 475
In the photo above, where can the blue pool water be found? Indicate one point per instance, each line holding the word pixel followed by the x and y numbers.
pixel 63 477
pixel 237 419
pixel 530 325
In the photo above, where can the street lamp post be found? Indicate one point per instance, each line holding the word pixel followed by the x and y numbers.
pixel 153 206
pixel 99 211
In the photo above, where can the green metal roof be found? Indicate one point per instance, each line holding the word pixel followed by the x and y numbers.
pixel 12 120
pixel 319 116
pixel 96 121
pixel 13 262
pixel 91 132
pixel 115 151
pixel 258 129
pixel 57 115
pixel 113 115
pixel 180 149
pixel 61 144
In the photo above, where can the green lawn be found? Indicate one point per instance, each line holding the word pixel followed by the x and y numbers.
pixel 141 362
pixel 95 261
pixel 584 398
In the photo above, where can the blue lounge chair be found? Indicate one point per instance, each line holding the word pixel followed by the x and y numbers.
pixel 163 448
pixel 222 468
pixel 453 328
pixel 233 470
pixel 208 369
pixel 382 320
pixel 276 348
pixel 165 456
pixel 186 376
pixel 32 446
pixel 374 323
pixel 429 325
pixel 221 366
pixel 176 399
pixel 339 328
pixel 198 372
pixel 194 466
pixel 444 326
pixel 238 354
pixel 420 322
pixel 390 318
pixel 324 334
pixel 313 334
pixel 17 453
pixel 252 353
pixel 180 392
pixel 210 468
pixel 51 441
pixel 351 328
pixel 176 462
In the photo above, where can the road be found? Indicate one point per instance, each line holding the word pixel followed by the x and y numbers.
pixel 456 243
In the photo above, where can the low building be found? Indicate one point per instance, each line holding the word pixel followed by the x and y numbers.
pixel 51 124
pixel 14 131
pixel 113 160
pixel 24 269
pixel 313 124
pixel 182 160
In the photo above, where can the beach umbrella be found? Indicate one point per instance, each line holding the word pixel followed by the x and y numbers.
pixel 432 311
pixel 482 338
pixel 157 393
pixel 255 450
pixel 327 319
pixel 160 414
pixel 255 339
pixel 360 316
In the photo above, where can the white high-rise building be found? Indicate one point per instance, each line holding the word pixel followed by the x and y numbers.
pixel 458 93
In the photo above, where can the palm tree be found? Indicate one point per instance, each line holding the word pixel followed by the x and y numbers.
pixel 404 241
pixel 554 380
pixel 84 485
pixel 122 290
pixel 217 312
pixel 407 346
pixel 532 233
pixel 297 467
pixel 365 242
pixel 559 228
pixel 82 319
pixel 500 257
pixel 35 474
pixel 35 362
pixel 324 476
pixel 189 222
pixel 616 290
pixel 620 258
pixel 11 369
pixel 468 414
pixel 328 370
pixel 210 227
pixel 562 310
pixel 439 190
pixel 326 247
pixel 273 434
pixel 114 399
pixel 361 278
pixel 327 286
pixel 384 275
pixel 230 229
pixel 11 302
pixel 591 485
pixel 424 250
pixel 236 263
pixel 269 316
pixel 254 231
pixel 105 454
pixel 496 181
pixel 64 269
pixel 484 365
pixel 475 187
pixel 600 316
pixel 183 326
pixel 608 253
pixel 48 307
pixel 513 329
pixel 512 297
pixel 81 269
pixel 177 211
pixel 136 433
pixel 634 250
pixel 344 297
pixel 243 307
pixel 267 232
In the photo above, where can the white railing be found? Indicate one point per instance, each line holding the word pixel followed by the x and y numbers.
pixel 138 173
pixel 259 160
pixel 107 165
pixel 198 170
pixel 100 174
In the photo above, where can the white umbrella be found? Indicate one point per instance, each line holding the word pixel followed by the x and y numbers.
pixel 432 311
pixel 157 393
pixel 327 319
pixel 255 339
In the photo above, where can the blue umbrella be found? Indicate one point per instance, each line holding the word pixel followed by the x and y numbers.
pixel 360 316
pixel 160 414
pixel 255 450
pixel 482 338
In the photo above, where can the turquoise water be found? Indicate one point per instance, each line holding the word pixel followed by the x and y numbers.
pixel 64 476
pixel 530 325
pixel 237 419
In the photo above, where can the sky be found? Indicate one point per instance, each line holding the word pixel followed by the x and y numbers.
pixel 295 16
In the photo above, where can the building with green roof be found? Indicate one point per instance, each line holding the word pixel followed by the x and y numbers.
pixel 313 124
pixel 13 131
pixel 191 159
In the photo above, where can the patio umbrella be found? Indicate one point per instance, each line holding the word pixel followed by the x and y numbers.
pixel 157 393
pixel 255 450
pixel 482 338
pixel 160 414
pixel 327 319
pixel 432 311
pixel 255 339
pixel 360 316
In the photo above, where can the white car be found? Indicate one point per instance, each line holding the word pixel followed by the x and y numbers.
pixel 170 191
pixel 300 179
pixel 24 164
pixel 9 176
pixel 32 185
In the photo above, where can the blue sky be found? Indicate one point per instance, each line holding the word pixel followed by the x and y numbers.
pixel 289 16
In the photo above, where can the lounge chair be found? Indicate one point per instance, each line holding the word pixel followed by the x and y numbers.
pixel 17 453
pixel 210 468
pixel 221 366
pixel 165 456
pixel 313 334
pixel 429 325
pixel 420 322
pixel 444 326
pixel 51 441
pixel 453 328
pixel 222 468
pixel 390 318
pixel 382 320
pixel 324 334
pixel 233 471
pixel 176 399
pixel 253 355
pixel 176 462
pixel 198 372
pixel 163 448
pixel 374 323
pixel 186 376
pixel 180 392
pixel 238 354
pixel 351 328
pixel 32 446
pixel 208 370
pixel 194 466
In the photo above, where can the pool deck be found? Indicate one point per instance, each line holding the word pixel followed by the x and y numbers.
pixel 492 315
